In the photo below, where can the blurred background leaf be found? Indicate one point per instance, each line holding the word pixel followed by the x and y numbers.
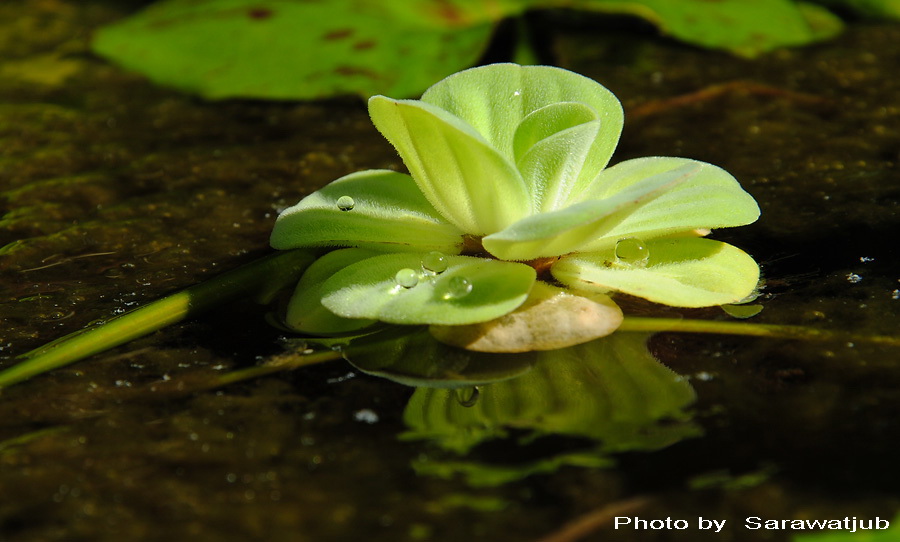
pixel 295 49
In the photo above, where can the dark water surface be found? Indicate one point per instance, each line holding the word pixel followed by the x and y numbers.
pixel 114 192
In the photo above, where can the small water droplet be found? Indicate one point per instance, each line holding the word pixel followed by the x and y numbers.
pixel 435 262
pixel 406 277
pixel 458 287
pixel 632 251
pixel 467 397
pixel 345 203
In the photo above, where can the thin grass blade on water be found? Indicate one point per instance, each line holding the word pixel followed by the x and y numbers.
pixel 261 278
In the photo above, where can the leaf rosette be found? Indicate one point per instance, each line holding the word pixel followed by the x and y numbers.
pixel 509 184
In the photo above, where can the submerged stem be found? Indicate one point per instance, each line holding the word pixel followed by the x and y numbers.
pixel 255 278
pixel 636 323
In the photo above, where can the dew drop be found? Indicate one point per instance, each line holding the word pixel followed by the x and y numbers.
pixel 467 397
pixel 458 287
pixel 406 277
pixel 632 251
pixel 345 203
pixel 435 262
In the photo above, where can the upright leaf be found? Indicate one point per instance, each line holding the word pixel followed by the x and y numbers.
pixel 496 99
pixel 466 179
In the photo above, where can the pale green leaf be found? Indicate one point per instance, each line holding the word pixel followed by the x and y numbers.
pixel 571 229
pixel 305 312
pixel 470 290
pixel 284 49
pixel 465 179
pixel 547 121
pixel 388 212
pixel 683 272
pixel 555 165
pixel 496 99
pixel 711 198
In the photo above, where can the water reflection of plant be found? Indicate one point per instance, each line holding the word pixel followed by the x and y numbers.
pixel 611 391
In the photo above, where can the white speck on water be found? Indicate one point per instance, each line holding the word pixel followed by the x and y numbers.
pixel 366 415
pixel 853 278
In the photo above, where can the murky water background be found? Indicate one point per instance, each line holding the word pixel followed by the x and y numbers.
pixel 115 192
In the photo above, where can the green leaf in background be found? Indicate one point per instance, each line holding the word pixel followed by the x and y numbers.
pixel 883 9
pixel 292 49
pixel 284 49
pixel 746 28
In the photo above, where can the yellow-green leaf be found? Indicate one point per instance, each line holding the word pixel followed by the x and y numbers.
pixel 683 272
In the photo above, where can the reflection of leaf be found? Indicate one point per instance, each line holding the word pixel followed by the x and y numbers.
pixel 489 475
pixel 611 390
pixel 417 359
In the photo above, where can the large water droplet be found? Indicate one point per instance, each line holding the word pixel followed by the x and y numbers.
pixel 632 251
pixel 345 203
pixel 406 277
pixel 458 287
pixel 435 262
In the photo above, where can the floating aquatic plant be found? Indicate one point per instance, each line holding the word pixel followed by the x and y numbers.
pixel 509 235
pixel 510 230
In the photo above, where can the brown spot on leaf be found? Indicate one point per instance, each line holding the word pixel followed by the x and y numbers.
pixel 353 70
pixel 259 13
pixel 363 45
pixel 449 13
pixel 338 34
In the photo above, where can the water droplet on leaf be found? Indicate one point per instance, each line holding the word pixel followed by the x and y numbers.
pixel 467 397
pixel 458 287
pixel 632 251
pixel 345 203
pixel 435 262
pixel 406 277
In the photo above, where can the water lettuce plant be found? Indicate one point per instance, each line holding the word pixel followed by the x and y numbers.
pixel 509 234
pixel 510 230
